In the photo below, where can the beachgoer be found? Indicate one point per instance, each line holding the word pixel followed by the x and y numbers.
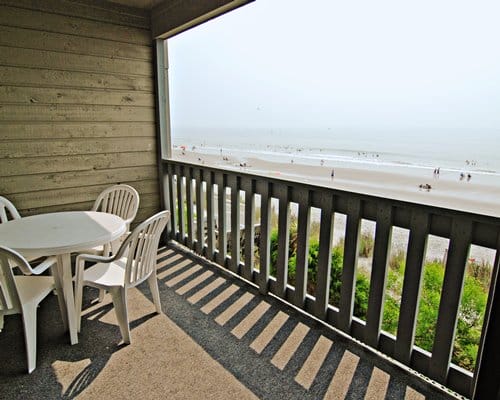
pixel 468 177
pixel 462 176
pixel 333 173
pixel 322 162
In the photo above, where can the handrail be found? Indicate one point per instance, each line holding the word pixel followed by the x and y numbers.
pixel 193 224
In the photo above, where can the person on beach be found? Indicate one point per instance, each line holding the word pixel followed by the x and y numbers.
pixel 468 177
pixel 462 176
pixel 332 174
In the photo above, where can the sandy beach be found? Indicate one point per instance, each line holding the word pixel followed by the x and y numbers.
pixel 479 194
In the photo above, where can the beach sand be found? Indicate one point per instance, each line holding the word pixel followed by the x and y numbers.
pixel 479 195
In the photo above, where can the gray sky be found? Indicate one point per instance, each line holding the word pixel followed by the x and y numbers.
pixel 427 66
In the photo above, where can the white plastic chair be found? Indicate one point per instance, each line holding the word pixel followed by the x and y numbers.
pixel 134 262
pixel 121 200
pixel 21 295
pixel 9 212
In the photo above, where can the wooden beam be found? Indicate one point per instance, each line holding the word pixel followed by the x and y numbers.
pixel 172 17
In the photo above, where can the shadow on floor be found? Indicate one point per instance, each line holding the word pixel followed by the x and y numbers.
pixel 219 338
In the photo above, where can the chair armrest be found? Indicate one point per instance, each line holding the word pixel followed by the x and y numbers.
pixel 93 258
pixel 44 265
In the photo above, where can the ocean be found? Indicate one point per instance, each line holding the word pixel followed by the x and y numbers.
pixel 456 153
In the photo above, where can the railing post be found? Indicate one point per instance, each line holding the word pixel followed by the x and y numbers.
pixel 264 248
pixel 325 256
pixel 248 186
pixel 454 276
pixel 486 384
pixel 283 240
pixel 378 278
pixel 348 287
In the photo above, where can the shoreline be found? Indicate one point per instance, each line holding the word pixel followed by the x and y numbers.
pixel 480 195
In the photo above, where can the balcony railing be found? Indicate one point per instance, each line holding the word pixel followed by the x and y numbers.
pixel 213 208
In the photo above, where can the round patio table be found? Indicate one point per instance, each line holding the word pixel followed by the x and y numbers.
pixel 60 234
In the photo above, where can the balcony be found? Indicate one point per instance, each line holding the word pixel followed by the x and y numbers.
pixel 203 199
pixel 218 338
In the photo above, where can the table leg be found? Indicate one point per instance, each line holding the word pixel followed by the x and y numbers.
pixel 64 267
pixel 54 270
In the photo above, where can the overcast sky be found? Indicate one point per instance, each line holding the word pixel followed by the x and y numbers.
pixel 418 66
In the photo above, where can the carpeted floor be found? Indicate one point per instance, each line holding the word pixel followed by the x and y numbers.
pixel 217 339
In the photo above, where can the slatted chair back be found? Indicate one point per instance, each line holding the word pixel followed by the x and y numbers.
pixel 121 200
pixel 9 297
pixel 141 248
pixel 7 210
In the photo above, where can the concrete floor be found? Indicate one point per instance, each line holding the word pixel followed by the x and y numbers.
pixel 217 339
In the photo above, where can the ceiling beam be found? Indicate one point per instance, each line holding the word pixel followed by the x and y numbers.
pixel 175 16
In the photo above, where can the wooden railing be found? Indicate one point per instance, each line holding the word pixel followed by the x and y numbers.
pixel 202 199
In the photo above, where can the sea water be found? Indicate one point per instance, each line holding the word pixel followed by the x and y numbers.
pixel 468 153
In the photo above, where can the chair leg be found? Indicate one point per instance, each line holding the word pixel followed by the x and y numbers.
pixel 119 295
pixel 29 321
pixel 102 293
pixel 153 286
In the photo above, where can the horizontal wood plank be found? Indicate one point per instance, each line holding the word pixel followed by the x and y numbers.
pixel 47 198
pixel 65 163
pixel 83 113
pixel 68 130
pixel 20 57
pixel 36 95
pixel 41 40
pixel 32 19
pixel 43 148
pixel 29 183
pixel 72 8
pixel 42 77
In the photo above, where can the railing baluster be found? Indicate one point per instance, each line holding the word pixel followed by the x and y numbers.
pixel 264 247
pixel 302 247
pixel 346 304
pixel 220 179
pixel 487 372
pixel 378 278
pixel 210 217
pixel 180 205
pixel 200 211
pixel 248 186
pixel 324 257
pixel 189 208
pixel 283 240
pixel 172 196
pixel 235 223
pixel 417 243
pixel 460 239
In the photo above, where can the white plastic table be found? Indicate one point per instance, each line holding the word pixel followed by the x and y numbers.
pixel 61 234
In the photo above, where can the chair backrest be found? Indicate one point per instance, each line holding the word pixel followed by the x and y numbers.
pixel 7 209
pixel 141 248
pixel 121 200
pixel 9 297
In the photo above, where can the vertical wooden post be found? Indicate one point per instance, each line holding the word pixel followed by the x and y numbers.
pixel 302 247
pixel 325 256
pixel 486 384
pixel 350 264
pixel 378 279
pixel 264 247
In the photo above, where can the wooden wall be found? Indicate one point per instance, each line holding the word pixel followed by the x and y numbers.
pixel 76 104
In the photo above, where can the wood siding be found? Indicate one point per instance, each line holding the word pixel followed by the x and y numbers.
pixel 76 104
